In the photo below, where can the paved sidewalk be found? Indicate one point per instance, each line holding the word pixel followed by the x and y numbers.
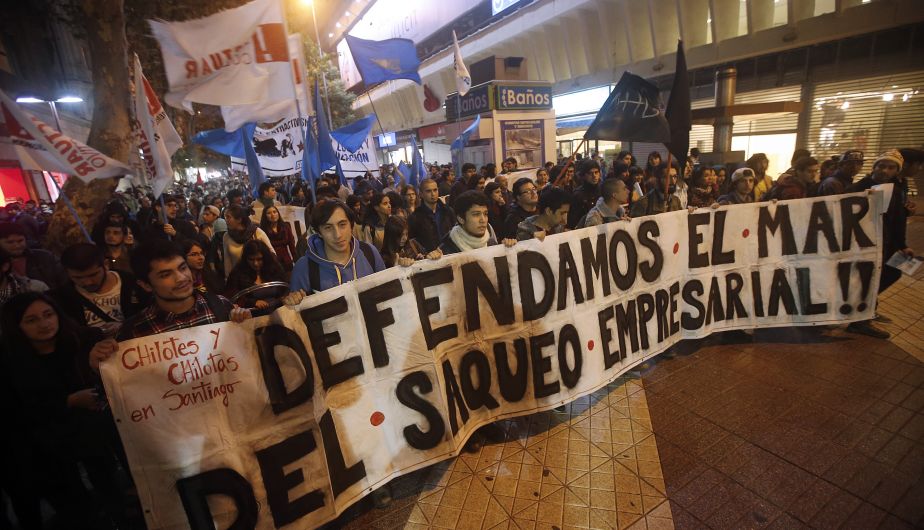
pixel 783 428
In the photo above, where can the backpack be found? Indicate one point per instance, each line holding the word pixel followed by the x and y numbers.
pixel 314 270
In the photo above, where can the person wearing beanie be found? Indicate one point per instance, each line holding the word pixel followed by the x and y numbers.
pixel 894 227
pixel 741 189
pixel 848 166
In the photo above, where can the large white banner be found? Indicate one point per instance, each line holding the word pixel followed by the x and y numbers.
pixel 42 147
pixel 292 417
pixel 356 164
pixel 280 152
pixel 279 149
pixel 234 57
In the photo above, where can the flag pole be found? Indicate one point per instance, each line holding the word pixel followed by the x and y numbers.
pixel 377 120
pixel 568 163
pixel 458 168
pixel 61 194
pixel 667 179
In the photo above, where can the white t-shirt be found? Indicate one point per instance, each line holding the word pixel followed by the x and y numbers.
pixel 109 302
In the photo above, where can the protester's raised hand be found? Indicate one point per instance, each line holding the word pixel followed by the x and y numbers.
pixel 405 262
pixel 239 314
pixel 509 242
pixel 169 230
pixel 715 206
pixel 261 304
pixel 101 351
pixel 435 254
pixel 294 298
pixel 540 235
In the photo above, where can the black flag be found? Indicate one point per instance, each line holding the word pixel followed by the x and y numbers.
pixel 679 116
pixel 632 113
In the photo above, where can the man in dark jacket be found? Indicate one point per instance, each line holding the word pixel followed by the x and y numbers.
pixel 586 195
pixel 526 195
pixel 798 182
pixel 174 229
pixel 432 219
pixel 96 296
pixel 847 168
pixel 894 228
pixel 32 263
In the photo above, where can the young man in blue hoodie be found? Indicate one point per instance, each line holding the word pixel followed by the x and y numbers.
pixel 334 256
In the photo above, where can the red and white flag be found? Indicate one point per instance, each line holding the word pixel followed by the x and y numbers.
pixel 41 147
pixel 229 58
pixel 271 110
pixel 158 139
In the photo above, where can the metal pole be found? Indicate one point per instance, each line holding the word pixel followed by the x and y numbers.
pixel 568 163
pixel 725 80
pixel 317 36
pixel 67 201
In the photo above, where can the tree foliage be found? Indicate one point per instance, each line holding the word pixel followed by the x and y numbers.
pixel 113 31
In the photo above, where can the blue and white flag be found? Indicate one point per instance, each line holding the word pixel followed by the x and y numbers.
pixel 463 79
pixel 418 169
pixel 404 173
pixel 460 142
pixel 254 170
pixel 383 60
pixel 352 136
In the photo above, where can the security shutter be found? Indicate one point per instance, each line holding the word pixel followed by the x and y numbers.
pixel 872 114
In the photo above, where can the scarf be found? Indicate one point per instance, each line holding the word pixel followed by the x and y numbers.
pixel 466 241
pixel 242 236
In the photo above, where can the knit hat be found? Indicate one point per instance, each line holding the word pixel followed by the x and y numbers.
pixel 742 172
pixel 852 156
pixel 892 155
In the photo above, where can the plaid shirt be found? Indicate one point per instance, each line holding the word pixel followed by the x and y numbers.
pixel 154 320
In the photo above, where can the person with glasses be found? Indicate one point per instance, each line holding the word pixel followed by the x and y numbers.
pixel 526 195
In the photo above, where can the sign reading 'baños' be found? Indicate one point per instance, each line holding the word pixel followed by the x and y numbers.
pixel 292 417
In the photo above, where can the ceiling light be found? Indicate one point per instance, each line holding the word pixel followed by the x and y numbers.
pixel 346 14
pixel 69 99
pixel 337 24
pixel 845 106
pixel 887 97
pixel 29 99
pixel 330 35
pixel 906 97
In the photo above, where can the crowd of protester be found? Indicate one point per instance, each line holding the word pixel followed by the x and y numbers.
pixel 211 253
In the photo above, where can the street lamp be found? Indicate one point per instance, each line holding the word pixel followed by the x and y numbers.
pixel 51 103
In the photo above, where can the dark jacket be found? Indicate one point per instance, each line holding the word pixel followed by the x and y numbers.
pixel 836 184
pixel 789 186
pixel 654 203
pixel 516 216
pixel 41 265
pixel 732 197
pixel 496 216
pixel 429 227
pixel 73 303
pixel 895 220
pixel 585 197
pixel 184 230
